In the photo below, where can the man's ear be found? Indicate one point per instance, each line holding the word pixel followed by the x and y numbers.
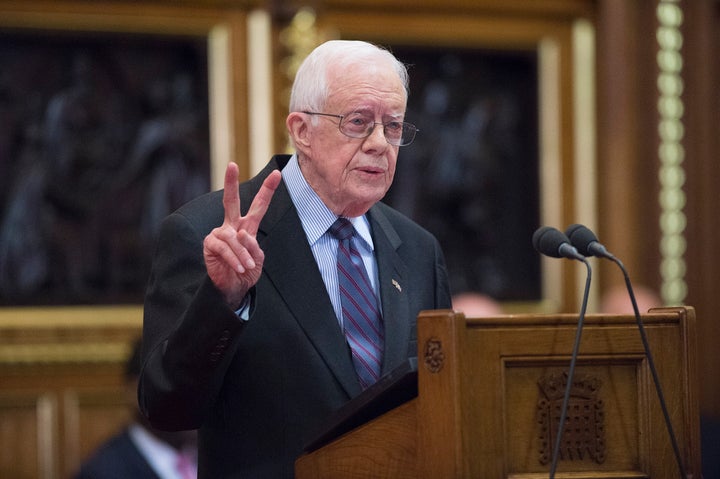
pixel 297 126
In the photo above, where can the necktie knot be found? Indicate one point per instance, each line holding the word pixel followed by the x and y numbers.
pixel 342 229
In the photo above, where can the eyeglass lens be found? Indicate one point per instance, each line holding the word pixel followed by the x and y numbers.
pixel 358 125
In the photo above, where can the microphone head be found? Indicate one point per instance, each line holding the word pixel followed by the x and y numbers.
pixel 585 241
pixel 546 241
pixel 552 242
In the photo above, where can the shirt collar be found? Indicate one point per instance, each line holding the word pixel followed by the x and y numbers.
pixel 315 217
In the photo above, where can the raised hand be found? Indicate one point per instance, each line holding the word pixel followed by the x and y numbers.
pixel 233 257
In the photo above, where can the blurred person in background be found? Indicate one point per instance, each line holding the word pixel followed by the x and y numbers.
pixel 476 305
pixel 139 451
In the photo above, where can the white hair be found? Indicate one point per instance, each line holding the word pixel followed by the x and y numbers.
pixel 310 89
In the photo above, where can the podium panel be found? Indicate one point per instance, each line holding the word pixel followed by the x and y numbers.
pixel 490 392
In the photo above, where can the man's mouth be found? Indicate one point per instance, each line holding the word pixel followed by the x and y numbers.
pixel 371 170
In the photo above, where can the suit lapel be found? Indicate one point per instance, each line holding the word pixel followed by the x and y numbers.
pixel 290 266
pixel 392 271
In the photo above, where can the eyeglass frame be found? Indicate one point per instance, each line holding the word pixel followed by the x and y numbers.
pixel 371 128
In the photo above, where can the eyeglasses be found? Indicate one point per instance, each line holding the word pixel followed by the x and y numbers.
pixel 361 125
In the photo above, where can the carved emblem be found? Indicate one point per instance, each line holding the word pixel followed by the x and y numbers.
pixel 584 430
pixel 434 355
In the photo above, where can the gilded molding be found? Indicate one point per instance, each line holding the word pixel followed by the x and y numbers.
pixel 68 335
pixel 298 39
pixel 66 353
pixel 671 152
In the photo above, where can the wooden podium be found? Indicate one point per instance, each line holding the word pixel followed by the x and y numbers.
pixel 490 392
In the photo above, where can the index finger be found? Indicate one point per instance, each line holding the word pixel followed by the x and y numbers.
pixel 231 195
pixel 260 203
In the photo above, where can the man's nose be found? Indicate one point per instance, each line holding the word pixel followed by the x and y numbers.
pixel 377 135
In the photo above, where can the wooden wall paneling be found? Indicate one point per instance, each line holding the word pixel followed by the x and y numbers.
pixel 55 415
pixel 61 387
pixel 28 435
pixel 701 72
pixel 90 418
pixel 48 426
pixel 627 145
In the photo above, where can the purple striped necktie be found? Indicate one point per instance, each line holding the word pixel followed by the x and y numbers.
pixel 362 321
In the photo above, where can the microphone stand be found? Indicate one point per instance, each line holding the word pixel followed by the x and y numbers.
pixel 571 372
pixel 651 364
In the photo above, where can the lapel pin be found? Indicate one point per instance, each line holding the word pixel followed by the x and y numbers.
pixel 397 285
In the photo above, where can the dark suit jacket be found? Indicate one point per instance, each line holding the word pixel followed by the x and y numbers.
pixel 259 390
pixel 118 458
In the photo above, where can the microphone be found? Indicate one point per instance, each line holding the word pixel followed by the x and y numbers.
pixel 585 241
pixel 552 242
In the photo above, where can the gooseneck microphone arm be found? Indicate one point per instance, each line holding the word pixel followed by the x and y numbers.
pixel 551 242
pixel 651 364
pixel 571 372
pixel 585 241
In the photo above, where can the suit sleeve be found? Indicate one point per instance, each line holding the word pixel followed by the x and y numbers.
pixel 189 333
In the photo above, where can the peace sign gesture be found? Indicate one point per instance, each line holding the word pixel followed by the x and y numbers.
pixel 232 255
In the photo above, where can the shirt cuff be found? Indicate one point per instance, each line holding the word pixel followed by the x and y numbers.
pixel 243 311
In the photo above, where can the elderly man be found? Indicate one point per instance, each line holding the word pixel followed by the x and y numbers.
pixel 271 305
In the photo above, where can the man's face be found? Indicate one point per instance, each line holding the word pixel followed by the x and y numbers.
pixel 352 174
